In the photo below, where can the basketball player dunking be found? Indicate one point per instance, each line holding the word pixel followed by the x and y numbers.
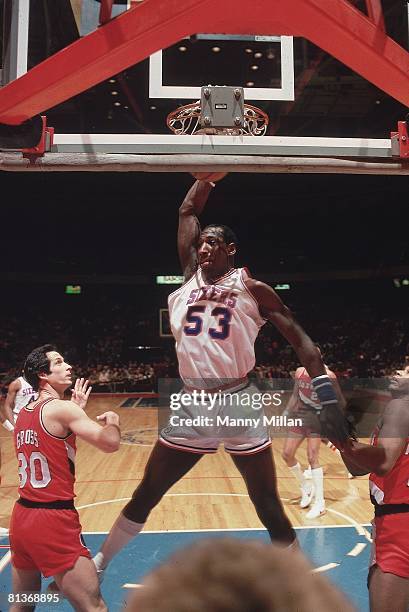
pixel 215 318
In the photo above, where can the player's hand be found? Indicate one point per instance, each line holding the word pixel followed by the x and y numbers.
pixel 334 426
pixel 80 393
pixel 209 177
pixel 109 418
pixel 332 421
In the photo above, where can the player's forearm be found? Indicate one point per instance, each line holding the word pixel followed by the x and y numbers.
pixel 292 402
pixel 195 199
pixel 310 357
pixel 7 423
pixel 8 412
pixel 109 438
pixel 365 457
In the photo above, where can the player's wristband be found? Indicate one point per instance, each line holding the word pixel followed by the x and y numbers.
pixel 7 425
pixel 324 389
pixel 333 422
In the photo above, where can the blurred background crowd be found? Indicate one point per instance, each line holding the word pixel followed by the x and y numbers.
pixel 114 337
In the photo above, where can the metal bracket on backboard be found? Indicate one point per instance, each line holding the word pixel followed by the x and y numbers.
pixel 221 107
pixel 45 143
pixel 285 92
pixel 400 141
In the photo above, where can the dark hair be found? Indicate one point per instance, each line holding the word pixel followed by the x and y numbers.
pixel 37 362
pixel 237 576
pixel 228 234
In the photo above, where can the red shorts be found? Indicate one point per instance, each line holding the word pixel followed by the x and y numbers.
pixel 390 546
pixel 46 540
pixel 310 427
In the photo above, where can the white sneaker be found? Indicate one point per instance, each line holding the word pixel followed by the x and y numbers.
pixel 307 492
pixel 100 572
pixel 101 575
pixel 317 510
pixel 307 473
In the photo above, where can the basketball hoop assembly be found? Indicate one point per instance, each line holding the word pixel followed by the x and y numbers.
pixel 336 26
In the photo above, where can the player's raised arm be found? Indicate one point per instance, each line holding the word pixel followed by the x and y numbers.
pixel 189 226
pixel 72 417
pixel 272 308
pixel 107 437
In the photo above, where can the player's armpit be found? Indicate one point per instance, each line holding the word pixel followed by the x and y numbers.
pixel 272 308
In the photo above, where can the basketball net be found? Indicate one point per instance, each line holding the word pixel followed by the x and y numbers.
pixel 186 120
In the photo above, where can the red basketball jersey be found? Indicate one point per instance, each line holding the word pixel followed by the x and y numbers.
pixel 394 487
pixel 46 462
pixel 306 394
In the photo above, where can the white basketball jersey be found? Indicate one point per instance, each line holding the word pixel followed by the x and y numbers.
pixel 23 396
pixel 215 327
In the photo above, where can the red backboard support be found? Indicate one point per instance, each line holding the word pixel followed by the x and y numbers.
pixel 336 26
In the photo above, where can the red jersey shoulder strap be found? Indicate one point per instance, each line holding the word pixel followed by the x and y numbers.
pixel 38 404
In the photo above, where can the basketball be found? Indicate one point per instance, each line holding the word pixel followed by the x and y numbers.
pixel 209 177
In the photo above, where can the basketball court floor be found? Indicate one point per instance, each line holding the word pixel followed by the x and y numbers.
pixel 211 501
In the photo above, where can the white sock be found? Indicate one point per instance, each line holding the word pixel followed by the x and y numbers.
pixel 294 546
pixel 298 473
pixel 317 475
pixel 122 532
